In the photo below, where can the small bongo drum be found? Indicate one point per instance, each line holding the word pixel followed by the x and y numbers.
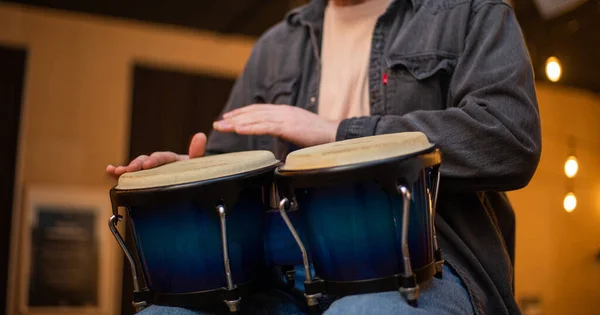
pixel 368 207
pixel 197 226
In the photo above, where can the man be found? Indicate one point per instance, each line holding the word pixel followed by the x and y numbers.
pixel 456 70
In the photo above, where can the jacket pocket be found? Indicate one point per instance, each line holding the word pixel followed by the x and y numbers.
pixel 282 92
pixel 417 82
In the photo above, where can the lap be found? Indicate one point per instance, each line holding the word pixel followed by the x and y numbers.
pixel 271 302
pixel 438 296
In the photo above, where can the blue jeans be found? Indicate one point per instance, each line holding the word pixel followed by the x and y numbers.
pixel 437 296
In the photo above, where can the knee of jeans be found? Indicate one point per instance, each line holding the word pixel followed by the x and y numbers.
pixel 167 310
pixel 373 303
pixel 450 275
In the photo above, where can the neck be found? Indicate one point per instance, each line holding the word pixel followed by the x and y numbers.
pixel 344 3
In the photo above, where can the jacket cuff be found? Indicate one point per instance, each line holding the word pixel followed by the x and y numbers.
pixel 357 127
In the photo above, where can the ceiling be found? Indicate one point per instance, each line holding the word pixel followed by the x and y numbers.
pixel 567 29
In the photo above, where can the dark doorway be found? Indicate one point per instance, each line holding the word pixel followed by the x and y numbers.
pixel 168 108
pixel 12 77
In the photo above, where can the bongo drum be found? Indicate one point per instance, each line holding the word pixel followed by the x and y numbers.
pixel 368 205
pixel 197 226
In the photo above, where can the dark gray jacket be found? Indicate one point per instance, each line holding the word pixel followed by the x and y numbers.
pixel 458 71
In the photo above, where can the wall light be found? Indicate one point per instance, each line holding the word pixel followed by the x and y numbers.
pixel 570 202
pixel 571 167
pixel 553 69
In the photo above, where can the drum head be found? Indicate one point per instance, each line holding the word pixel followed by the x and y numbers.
pixel 198 169
pixel 355 151
pixel 389 159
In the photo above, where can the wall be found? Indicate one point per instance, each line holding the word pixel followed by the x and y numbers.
pixel 75 121
pixel 555 254
pixel 77 94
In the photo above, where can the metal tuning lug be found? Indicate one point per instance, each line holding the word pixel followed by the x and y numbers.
pixel 313 288
pixel 439 263
pixel 439 260
pixel 313 291
pixel 140 296
pixel 408 284
pixel 289 272
pixel 140 299
pixel 231 297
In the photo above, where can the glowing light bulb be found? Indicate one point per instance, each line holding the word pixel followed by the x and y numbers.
pixel 571 167
pixel 570 202
pixel 553 69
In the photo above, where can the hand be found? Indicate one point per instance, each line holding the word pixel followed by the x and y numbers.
pixel 144 162
pixel 290 123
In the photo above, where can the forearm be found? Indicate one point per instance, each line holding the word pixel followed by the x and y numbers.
pixel 479 151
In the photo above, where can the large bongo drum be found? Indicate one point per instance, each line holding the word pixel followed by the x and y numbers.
pixel 197 226
pixel 368 207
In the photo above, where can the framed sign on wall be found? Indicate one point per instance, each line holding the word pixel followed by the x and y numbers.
pixel 68 261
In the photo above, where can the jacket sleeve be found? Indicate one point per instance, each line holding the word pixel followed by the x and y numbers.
pixel 490 134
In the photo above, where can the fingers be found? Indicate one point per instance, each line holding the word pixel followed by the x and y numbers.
pixel 120 170
pixel 143 162
pixel 224 126
pixel 159 158
pixel 264 115
pixel 197 145
pixel 262 128
pixel 251 118
pixel 110 170
pixel 247 109
pixel 136 164
pixel 250 127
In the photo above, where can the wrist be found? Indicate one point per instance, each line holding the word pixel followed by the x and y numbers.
pixel 335 124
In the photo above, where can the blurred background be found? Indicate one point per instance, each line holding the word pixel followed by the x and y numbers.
pixel 87 83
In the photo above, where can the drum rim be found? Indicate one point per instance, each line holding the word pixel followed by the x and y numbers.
pixel 374 285
pixel 210 297
pixel 201 182
pixel 130 197
pixel 355 166
pixel 357 172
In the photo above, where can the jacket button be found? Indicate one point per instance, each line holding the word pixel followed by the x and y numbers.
pixel 313 100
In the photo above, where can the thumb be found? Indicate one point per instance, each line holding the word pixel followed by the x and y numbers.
pixel 197 145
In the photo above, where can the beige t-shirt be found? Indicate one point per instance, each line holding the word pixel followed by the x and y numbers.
pixel 345 51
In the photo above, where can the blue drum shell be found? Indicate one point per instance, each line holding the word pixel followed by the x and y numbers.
pixel 354 230
pixel 281 249
pixel 180 248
